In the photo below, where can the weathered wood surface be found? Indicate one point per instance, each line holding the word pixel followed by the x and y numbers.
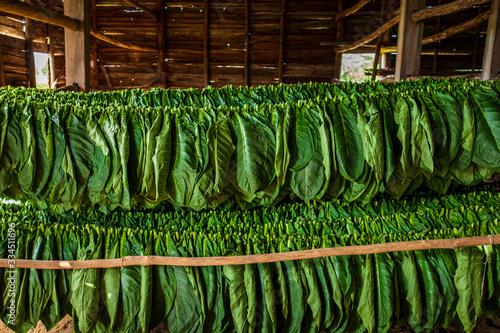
pixel 143 7
pixel 351 10
pixel 491 59
pixel 432 244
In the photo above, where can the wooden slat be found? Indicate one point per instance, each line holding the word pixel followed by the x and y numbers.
pixel 491 59
pixel 206 42
pixel 162 43
pixel 409 40
pixel 144 8
pixel 281 55
pixel 457 29
pixel 445 9
pixel 351 10
pixel 247 43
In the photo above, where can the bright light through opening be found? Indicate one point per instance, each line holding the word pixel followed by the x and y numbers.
pixel 42 70
pixel 354 65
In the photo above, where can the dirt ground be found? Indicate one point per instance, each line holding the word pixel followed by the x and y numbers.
pixel 485 325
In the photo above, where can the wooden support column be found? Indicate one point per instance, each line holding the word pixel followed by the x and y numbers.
pixel 380 39
pixel 281 55
pixel 94 65
pixel 409 40
pixel 337 66
pixel 206 42
pixel 2 75
pixel 30 56
pixel 491 59
pixel 50 35
pixel 162 43
pixel 77 44
pixel 247 44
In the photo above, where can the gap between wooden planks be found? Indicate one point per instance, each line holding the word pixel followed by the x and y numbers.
pixel 431 244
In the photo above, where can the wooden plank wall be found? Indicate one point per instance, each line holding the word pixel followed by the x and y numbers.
pixel 251 33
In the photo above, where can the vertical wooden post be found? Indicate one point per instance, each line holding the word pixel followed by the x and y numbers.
pixel 30 56
pixel 435 60
pixel 2 75
pixel 491 59
pixel 476 43
pixel 52 62
pixel 281 54
pixel 337 66
pixel 380 39
pixel 409 40
pixel 162 43
pixel 94 66
pixel 77 45
pixel 206 43
pixel 247 44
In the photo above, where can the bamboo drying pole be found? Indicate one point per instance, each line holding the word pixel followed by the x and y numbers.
pixel 431 244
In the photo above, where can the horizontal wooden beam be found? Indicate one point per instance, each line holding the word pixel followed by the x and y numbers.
pixel 38 14
pixel 16 33
pixel 144 8
pixel 351 10
pixel 445 9
pixel 391 23
pixel 419 245
pixel 99 35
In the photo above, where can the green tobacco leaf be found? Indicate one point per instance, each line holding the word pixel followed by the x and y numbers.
pixel 304 140
pixel 454 119
pixel 367 300
pixel 487 144
pixel 384 268
pixel 255 151
pixel 238 296
pixel 282 158
pixel 403 124
pixel 221 149
pixel 348 143
pixel 468 281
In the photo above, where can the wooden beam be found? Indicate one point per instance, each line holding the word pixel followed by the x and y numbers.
pixel 337 66
pixel 144 8
pixel 99 35
pixel 38 14
pixel 77 45
pixel 30 55
pixel 391 23
pixel 351 10
pixel 206 42
pixel 162 44
pixel 445 9
pixel 409 40
pixel 94 66
pixel 281 52
pixel 18 34
pixel 2 74
pixel 457 29
pixel 491 59
pixel 247 43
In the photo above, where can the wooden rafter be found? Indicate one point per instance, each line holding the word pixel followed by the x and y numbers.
pixel 98 34
pixel 391 23
pixel 247 43
pixel 206 43
pixel 281 54
pixel 445 9
pixel 144 8
pixel 457 29
pixel 351 10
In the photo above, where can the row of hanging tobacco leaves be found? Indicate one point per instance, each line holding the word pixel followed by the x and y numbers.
pixel 420 289
pixel 246 146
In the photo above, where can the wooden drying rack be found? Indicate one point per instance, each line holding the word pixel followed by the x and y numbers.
pixel 431 244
